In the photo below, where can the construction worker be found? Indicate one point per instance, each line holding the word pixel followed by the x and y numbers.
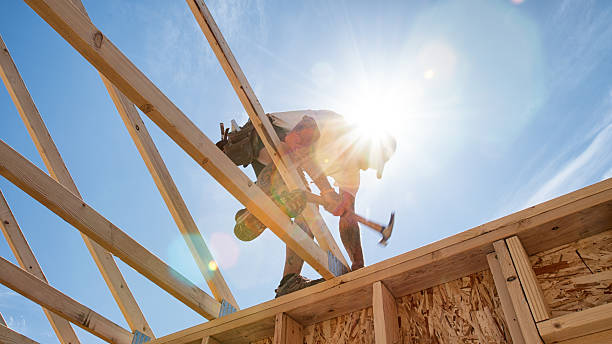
pixel 323 144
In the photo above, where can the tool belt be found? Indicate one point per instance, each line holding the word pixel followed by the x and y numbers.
pixel 242 146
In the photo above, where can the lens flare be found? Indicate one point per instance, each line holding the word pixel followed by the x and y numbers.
pixel 212 265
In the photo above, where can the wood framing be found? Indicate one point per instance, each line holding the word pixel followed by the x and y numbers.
pixel 58 171
pixel 8 336
pixel 565 219
pixel 523 315
pixel 50 298
pixel 505 299
pixel 578 324
pixel 71 24
pixel 262 124
pixel 386 326
pixel 26 259
pixel 528 280
pixel 181 215
pixel 172 197
pixel 73 210
pixel 287 330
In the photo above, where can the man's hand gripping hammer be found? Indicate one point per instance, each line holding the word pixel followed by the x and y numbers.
pixel 385 231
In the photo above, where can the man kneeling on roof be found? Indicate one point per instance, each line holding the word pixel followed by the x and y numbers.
pixel 323 144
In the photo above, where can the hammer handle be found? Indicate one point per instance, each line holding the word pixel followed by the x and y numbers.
pixel 314 198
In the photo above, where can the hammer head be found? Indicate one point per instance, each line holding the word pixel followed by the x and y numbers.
pixel 386 232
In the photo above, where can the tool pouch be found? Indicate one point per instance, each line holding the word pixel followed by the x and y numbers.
pixel 240 145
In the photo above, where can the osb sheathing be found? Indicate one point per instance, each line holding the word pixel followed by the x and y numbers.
pixel 351 328
pixel 466 310
pixel 576 276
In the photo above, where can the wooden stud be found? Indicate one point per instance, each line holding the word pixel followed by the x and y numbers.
pixel 8 336
pixel 384 307
pixel 52 299
pixel 68 206
pixel 287 330
pixel 69 22
pixel 529 282
pixel 262 124
pixel 175 203
pixel 577 324
pixel 209 340
pixel 26 259
pixel 603 337
pixel 524 317
pixel 57 169
pixel 505 300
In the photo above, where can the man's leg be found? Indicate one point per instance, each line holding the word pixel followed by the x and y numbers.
pixel 293 262
pixel 350 235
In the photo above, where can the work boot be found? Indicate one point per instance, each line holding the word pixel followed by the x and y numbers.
pixel 247 227
pixel 294 282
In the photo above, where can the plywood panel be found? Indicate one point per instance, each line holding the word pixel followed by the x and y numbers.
pixel 466 310
pixel 576 276
pixel 352 328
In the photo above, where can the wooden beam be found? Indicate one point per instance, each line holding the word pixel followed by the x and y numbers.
pixel 2 321
pixel 75 211
pixel 603 337
pixel 384 309
pixel 209 340
pixel 577 324
pixel 523 314
pixel 167 188
pixel 529 282
pixel 580 214
pixel 8 336
pixel 262 124
pixel 505 300
pixel 69 22
pixel 287 330
pixel 52 299
pixel 175 203
pixel 57 169
pixel 26 259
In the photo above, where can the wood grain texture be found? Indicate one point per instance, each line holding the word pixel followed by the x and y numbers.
pixel 504 299
pixel 8 336
pixel 352 328
pixel 580 214
pixel 523 314
pixel 52 299
pixel 466 310
pixel 262 124
pixel 384 307
pixel 28 262
pixel 577 324
pixel 76 28
pixel 576 276
pixel 57 169
pixel 287 330
pixel 73 210
pixel 529 282
pixel 171 195
pixel 603 337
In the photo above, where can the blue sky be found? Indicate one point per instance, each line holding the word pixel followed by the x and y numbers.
pixel 496 106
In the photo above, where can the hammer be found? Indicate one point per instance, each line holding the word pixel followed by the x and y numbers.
pixel 385 231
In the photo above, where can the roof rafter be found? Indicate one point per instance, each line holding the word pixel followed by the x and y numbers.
pixel 71 24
